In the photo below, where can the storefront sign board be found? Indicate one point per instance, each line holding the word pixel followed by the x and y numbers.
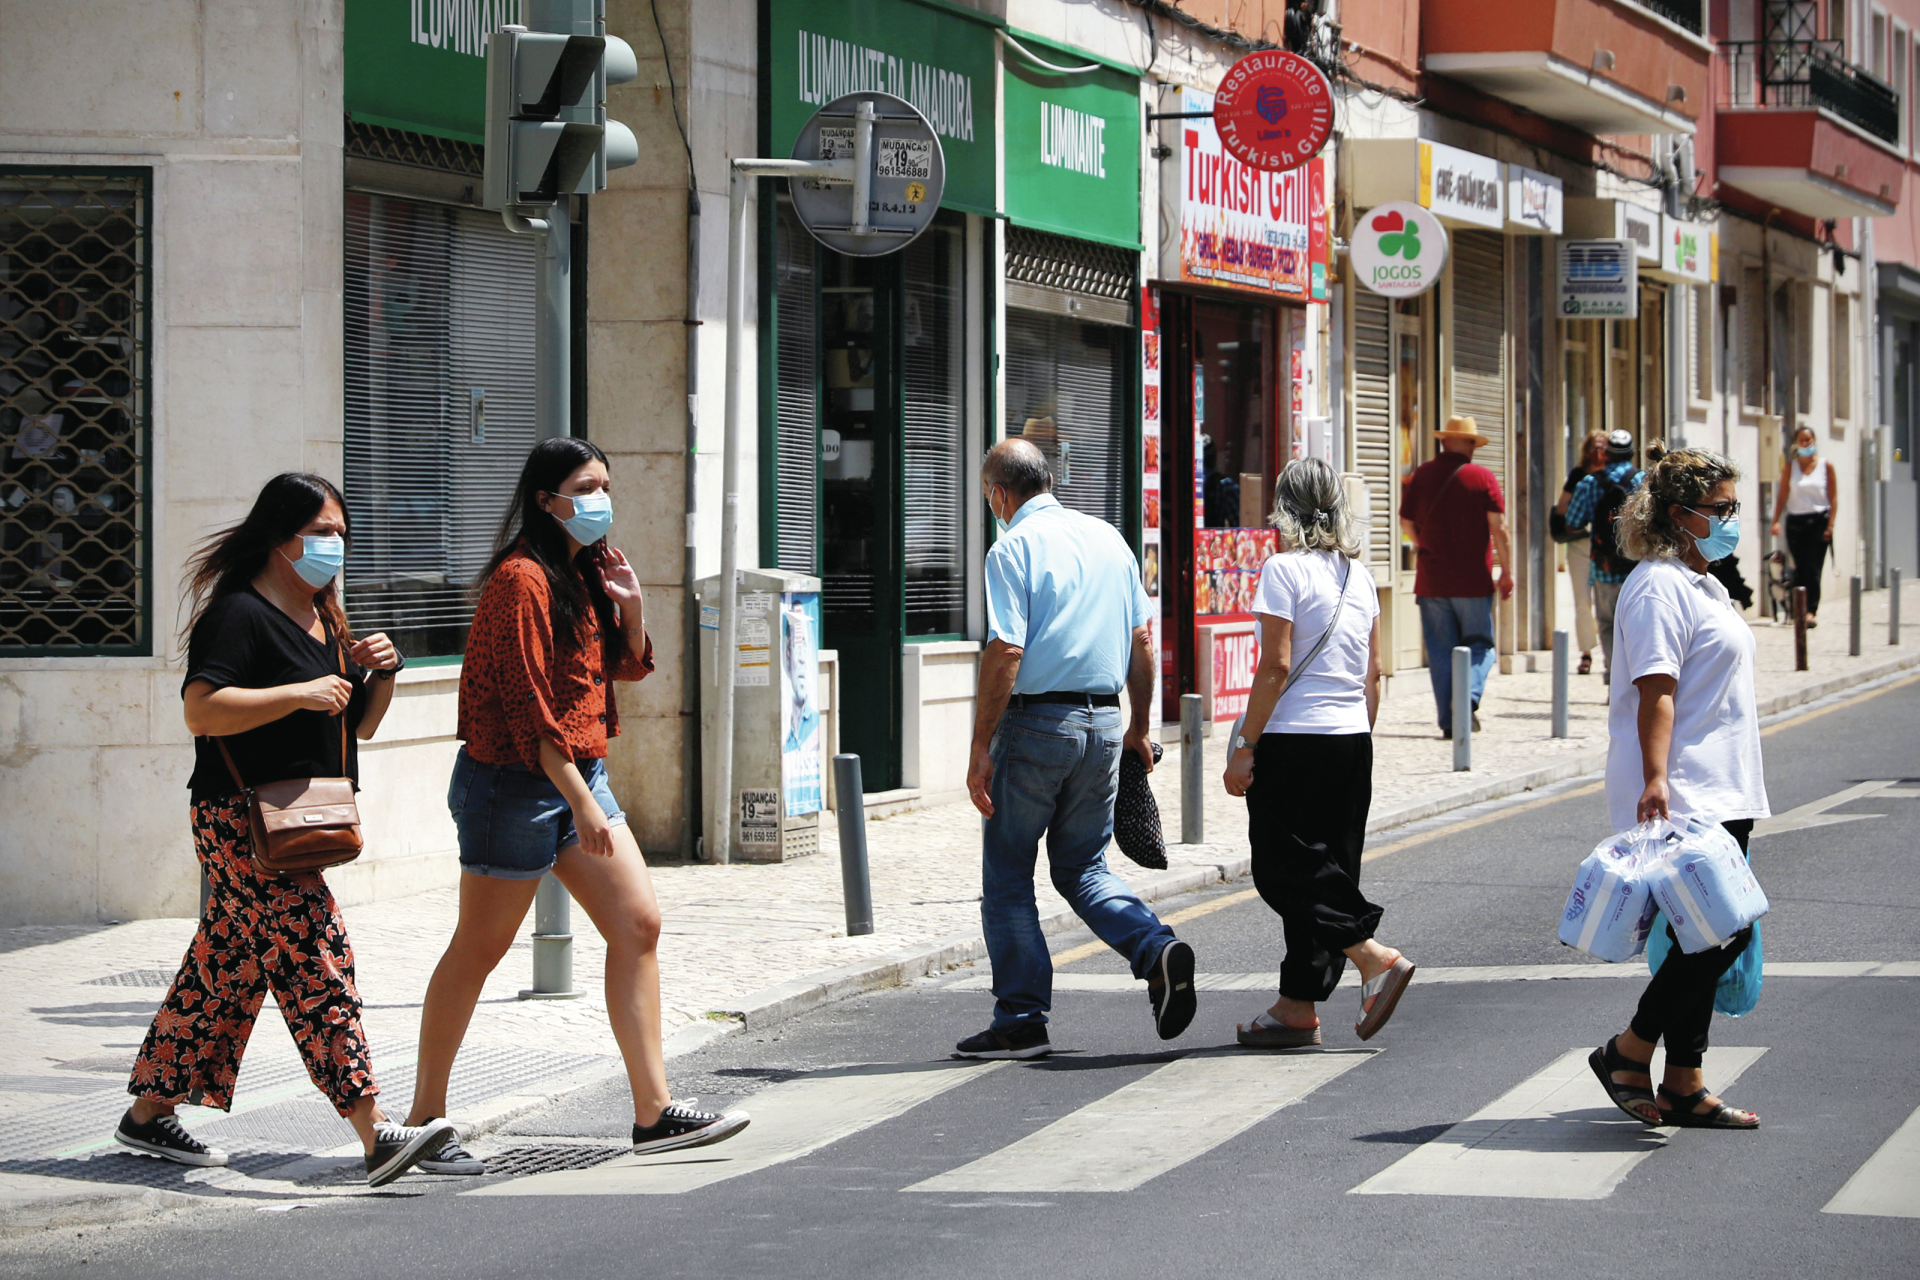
pixel 1274 110
pixel 1462 185
pixel 1241 227
pixel 1398 249
pixel 1072 149
pixel 1535 202
pixel 936 58
pixel 1599 280
pixel 421 65
pixel 1229 656
pixel 1686 251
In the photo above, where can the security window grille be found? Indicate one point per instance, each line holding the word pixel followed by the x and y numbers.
pixel 1700 330
pixel 1479 335
pixel 439 409
pixel 74 295
pixel 934 432
pixel 1373 418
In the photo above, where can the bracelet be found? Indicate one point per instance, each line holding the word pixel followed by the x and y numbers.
pixel 396 669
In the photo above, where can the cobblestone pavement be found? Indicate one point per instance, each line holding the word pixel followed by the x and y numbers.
pixel 76 999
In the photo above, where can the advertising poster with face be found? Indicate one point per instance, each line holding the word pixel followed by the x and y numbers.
pixel 800 763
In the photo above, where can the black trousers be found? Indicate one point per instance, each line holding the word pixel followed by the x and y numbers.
pixel 1678 1003
pixel 1306 823
pixel 1807 543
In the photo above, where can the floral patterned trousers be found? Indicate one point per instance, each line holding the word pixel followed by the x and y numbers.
pixel 258 930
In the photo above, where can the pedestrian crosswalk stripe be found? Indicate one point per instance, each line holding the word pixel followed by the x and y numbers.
pixel 1105 982
pixel 1888 1184
pixel 789 1120
pixel 1554 1136
pixel 1159 1122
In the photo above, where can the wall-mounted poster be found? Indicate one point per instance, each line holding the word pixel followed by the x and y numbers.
pixel 1226 568
pixel 800 763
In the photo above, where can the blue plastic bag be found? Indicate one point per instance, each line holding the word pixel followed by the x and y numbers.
pixel 1739 989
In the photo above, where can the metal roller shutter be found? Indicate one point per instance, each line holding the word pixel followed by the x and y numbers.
pixel 797 397
pixel 439 409
pixel 1479 342
pixel 933 435
pixel 1373 419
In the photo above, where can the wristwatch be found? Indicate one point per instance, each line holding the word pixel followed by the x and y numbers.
pixel 1239 743
pixel 396 669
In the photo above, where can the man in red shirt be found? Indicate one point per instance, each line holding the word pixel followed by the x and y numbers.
pixel 1454 513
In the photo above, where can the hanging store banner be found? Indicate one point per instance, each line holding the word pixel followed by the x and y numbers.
pixel 1686 251
pixel 1398 249
pixel 1462 185
pixel 1243 227
pixel 935 58
pixel 1599 280
pixel 1072 149
pixel 1536 202
pixel 421 65
pixel 1274 110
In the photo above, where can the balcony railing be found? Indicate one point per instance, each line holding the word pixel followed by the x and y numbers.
pixel 1681 13
pixel 1808 73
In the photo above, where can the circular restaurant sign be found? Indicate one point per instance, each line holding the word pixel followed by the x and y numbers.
pixel 1273 110
pixel 1398 249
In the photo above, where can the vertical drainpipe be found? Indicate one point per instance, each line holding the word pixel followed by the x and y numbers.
pixel 1679 339
pixel 692 822
pixel 1875 568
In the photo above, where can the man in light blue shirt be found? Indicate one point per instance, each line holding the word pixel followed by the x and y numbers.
pixel 1067 623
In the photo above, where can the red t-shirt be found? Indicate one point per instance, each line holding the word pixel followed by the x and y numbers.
pixel 1456 546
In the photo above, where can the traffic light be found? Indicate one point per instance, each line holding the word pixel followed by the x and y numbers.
pixel 548 135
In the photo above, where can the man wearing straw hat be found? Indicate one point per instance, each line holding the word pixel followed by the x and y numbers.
pixel 1453 512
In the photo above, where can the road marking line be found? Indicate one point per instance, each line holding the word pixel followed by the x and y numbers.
pixel 1888 1184
pixel 1814 813
pixel 1553 1136
pixel 1141 1130
pixel 1635 968
pixel 789 1120
pixel 1854 701
pixel 1481 821
pixel 1094 948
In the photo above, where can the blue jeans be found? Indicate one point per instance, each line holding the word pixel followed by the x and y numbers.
pixel 1448 621
pixel 1056 769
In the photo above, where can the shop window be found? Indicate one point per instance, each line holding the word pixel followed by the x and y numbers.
pixel 1842 359
pixel 933 430
pixel 74 298
pixel 440 385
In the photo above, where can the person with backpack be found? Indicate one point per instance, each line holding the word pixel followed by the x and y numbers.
pixel 1596 505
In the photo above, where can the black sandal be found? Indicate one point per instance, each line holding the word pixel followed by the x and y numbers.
pixel 1681 1115
pixel 1586 664
pixel 1605 1061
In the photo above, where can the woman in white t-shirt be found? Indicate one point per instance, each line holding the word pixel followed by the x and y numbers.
pixel 1684 739
pixel 1308 775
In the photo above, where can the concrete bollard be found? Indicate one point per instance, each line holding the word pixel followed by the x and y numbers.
pixel 1893 606
pixel 552 943
pixel 1799 628
pixel 1853 616
pixel 855 883
pixel 1462 709
pixel 1562 647
pixel 1193 768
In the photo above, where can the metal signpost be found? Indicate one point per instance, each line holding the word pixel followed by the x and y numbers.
pixel 866 174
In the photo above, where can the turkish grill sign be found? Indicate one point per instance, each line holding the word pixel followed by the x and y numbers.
pixel 1240 226
pixel 1398 249
pixel 1274 110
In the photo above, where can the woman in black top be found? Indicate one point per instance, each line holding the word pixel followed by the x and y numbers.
pixel 271 666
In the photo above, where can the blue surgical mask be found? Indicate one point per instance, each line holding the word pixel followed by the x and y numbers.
pixel 1722 537
pixel 1805 450
pixel 592 517
pixel 321 556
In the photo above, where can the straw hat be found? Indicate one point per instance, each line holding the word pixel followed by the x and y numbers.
pixel 1460 427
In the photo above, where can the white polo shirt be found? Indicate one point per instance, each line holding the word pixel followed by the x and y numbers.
pixel 1675 622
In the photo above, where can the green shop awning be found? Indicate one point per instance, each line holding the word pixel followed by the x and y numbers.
pixel 421 65
pixel 1072 147
pixel 938 58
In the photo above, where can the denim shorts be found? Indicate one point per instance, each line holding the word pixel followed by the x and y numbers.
pixel 513 823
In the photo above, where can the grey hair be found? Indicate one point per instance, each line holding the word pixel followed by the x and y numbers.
pixel 1644 529
pixel 1310 509
pixel 1019 466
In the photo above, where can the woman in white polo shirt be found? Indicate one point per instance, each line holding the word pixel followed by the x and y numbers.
pixel 1685 738
pixel 1308 777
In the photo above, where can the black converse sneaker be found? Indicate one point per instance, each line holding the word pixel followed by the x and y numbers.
pixel 1024 1040
pixel 452 1158
pixel 1170 988
pixel 398 1147
pixel 164 1136
pixel 683 1125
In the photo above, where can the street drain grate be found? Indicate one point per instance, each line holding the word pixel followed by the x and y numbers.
pixel 135 978
pixel 518 1162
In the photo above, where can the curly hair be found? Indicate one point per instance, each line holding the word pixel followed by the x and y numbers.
pixel 1310 509
pixel 1644 529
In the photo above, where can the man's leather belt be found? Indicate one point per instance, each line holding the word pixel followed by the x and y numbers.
pixel 1064 696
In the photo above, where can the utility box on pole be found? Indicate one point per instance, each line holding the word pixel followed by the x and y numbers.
pixel 778 775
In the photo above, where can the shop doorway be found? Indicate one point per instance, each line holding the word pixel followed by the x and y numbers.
pixel 1414 444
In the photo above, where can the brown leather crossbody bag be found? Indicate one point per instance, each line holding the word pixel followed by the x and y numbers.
pixel 302 824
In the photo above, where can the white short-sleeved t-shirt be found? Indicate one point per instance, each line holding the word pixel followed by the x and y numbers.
pixel 1675 622
pixel 1303 587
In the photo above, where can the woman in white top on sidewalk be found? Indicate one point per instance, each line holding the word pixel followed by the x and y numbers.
pixel 1807 498
pixel 1684 733
pixel 1307 771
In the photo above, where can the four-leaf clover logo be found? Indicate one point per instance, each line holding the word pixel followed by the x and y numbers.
pixel 1398 236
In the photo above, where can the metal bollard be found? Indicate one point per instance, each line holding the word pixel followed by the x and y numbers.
pixel 1893 606
pixel 1193 768
pixel 1799 628
pixel 552 943
pixel 1562 647
pixel 1853 617
pixel 1462 709
pixel 854 882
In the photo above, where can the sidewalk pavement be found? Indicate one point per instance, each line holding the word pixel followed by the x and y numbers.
pixel 743 946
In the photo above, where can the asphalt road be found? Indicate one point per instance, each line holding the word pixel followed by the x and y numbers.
pixel 1467 1139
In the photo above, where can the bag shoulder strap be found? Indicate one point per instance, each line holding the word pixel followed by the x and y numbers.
pixel 1339 604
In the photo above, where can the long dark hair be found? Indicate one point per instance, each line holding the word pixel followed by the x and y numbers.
pixel 574 587
pixel 230 559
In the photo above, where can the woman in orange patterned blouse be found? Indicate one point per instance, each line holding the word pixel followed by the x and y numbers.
pixel 559 619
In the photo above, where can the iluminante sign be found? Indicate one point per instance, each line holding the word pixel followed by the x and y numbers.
pixel 1398 249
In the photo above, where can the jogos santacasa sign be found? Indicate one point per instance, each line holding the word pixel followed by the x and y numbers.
pixel 1398 249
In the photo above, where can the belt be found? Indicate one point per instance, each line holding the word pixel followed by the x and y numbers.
pixel 1064 696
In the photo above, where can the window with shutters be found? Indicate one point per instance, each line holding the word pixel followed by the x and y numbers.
pixel 1700 342
pixel 796 396
pixel 1478 340
pixel 933 433
pixel 74 298
pixel 1753 337
pixel 1842 360
pixel 1373 419
pixel 439 409
pixel 1802 321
